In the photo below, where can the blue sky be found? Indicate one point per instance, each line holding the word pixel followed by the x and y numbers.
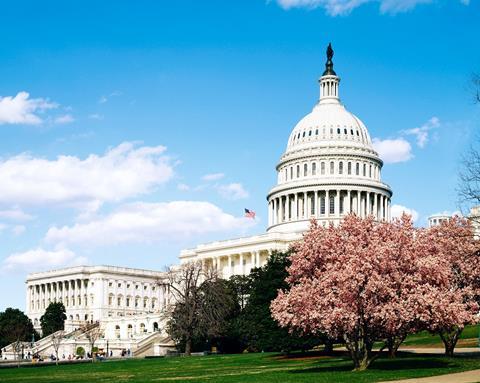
pixel 130 130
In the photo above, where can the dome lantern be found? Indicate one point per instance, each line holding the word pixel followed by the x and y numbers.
pixel 329 80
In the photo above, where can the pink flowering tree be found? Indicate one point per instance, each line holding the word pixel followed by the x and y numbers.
pixel 451 302
pixel 360 281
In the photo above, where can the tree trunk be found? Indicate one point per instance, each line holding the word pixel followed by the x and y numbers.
pixel 393 343
pixel 328 346
pixel 188 347
pixel 449 339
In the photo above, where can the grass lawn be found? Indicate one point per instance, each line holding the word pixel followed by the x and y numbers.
pixel 242 368
pixel 468 338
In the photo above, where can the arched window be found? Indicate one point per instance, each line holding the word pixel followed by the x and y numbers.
pixel 303 134
pixel 310 133
pixel 286 174
pixel 291 172
pixel 357 169
pixel 351 132
pixel 332 167
pixel 314 169
pixel 322 205
pixel 345 131
pixel 155 326
pixel 129 330
pixel 340 167
pixel 338 130
pixel 364 170
pixel 316 132
pixel 117 331
pixel 142 327
pixel 341 204
pixel 322 168
pixel 119 301
pixel 370 172
pixel 305 170
pixel 349 168
pixel 332 205
pixel 312 205
pixel 298 171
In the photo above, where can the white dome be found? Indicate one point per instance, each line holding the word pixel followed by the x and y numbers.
pixel 329 124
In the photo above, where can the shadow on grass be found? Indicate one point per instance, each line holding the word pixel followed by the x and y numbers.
pixel 397 364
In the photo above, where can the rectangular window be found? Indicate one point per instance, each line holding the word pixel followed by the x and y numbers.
pixel 349 168
pixel 370 171
pixel 332 205
pixel 312 205
pixel 357 169
pixel 298 171
pixel 305 170
pixel 364 170
pixel 332 167
pixel 341 205
pixel 314 169
pixel 291 172
pixel 322 168
pixel 340 168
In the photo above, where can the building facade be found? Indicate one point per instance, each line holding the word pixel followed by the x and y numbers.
pixel 328 170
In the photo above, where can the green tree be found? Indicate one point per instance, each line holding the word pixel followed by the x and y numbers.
pixel 255 325
pixel 15 327
pixel 54 318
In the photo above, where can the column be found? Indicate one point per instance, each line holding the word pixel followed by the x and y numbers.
pixel 295 209
pixel 382 201
pixel 337 204
pixel 252 260
pixel 230 267
pixel 305 213
pixel 242 271
pixel 257 259
pixel 375 206
pixel 367 206
pixel 317 205
pixel 362 206
pixel 282 210
pixel 348 204
pixel 327 203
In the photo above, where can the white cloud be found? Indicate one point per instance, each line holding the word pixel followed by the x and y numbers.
pixel 421 133
pixel 393 150
pixel 15 214
pixel 183 187
pixel 95 116
pixel 343 7
pixel 40 259
pixel 64 119
pixel 104 98
pixel 213 176
pixel 233 191
pixel 398 210
pixel 22 109
pixel 122 172
pixel 149 222
pixel 18 230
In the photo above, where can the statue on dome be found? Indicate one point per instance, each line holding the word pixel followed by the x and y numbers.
pixel 329 64
pixel 329 52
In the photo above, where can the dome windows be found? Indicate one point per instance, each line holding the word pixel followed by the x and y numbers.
pixel 340 168
pixel 314 169
pixel 332 167
pixel 322 168
pixel 305 170
pixel 349 168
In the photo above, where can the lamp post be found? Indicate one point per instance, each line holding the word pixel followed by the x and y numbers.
pixel 107 350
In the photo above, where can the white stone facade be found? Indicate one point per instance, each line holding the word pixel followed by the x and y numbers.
pixel 94 293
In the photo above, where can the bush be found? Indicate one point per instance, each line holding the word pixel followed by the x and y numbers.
pixel 80 351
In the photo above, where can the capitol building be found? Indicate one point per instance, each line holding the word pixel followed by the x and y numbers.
pixel 329 169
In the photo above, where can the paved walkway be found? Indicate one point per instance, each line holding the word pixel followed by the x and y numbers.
pixel 438 350
pixel 472 376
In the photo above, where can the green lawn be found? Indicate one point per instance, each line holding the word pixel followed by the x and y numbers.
pixel 242 368
pixel 468 338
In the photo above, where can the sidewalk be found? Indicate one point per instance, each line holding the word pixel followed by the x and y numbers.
pixel 472 376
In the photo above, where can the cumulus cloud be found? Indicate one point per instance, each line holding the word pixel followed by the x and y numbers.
pixel 21 109
pixel 233 191
pixel 213 177
pixel 122 172
pixel 343 7
pixel 64 119
pixel 143 222
pixel 15 214
pixel 393 150
pixel 398 210
pixel 422 133
pixel 41 259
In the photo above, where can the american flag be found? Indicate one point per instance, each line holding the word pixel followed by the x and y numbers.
pixel 249 214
